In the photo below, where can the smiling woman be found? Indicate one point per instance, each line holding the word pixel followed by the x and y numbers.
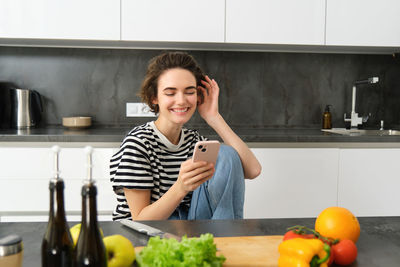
pixel 177 99
pixel 153 174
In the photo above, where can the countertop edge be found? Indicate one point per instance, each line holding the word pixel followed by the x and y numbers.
pixel 253 145
pixel 255 138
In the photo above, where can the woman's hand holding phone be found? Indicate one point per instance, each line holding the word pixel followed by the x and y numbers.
pixel 200 168
pixel 193 174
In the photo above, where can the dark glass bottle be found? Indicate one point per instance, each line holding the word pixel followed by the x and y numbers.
pixel 57 244
pixel 327 118
pixel 90 249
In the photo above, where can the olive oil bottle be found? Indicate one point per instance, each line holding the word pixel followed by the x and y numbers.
pixel 90 249
pixel 327 118
pixel 57 245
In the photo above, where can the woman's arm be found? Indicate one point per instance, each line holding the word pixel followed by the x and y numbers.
pixel 191 176
pixel 141 209
pixel 209 112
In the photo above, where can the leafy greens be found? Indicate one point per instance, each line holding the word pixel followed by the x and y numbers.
pixel 196 251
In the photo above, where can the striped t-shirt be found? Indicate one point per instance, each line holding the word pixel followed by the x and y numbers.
pixel 148 160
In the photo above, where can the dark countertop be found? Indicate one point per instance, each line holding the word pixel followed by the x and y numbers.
pixel 116 134
pixel 378 245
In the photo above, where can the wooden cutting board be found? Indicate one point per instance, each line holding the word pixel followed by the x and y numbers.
pixel 247 251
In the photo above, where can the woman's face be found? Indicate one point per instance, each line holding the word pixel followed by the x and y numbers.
pixel 176 96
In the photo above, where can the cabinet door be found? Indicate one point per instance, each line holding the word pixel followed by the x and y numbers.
pixel 26 172
pixel 173 20
pixel 369 181
pixel 24 163
pixel 60 19
pixel 275 21
pixel 37 163
pixel 73 163
pixel 363 22
pixel 27 195
pixel 294 183
pixel 73 168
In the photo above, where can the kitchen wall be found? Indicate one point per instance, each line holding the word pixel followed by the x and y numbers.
pixel 258 89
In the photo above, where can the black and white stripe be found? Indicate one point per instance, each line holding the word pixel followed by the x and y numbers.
pixel 147 160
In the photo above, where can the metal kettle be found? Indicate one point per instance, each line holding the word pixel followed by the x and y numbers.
pixel 26 108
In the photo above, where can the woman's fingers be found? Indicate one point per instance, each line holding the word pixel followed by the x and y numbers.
pixel 204 90
pixel 190 165
pixel 211 85
pixel 195 173
pixel 197 184
pixel 195 181
pixel 208 79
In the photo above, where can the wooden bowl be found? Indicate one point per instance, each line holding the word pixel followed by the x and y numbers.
pixel 77 122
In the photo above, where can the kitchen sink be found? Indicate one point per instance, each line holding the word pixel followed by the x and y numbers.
pixel 357 132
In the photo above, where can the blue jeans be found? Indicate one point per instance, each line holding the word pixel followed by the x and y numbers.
pixel 221 197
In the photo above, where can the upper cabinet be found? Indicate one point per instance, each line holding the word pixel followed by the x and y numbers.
pixel 173 20
pixel 363 23
pixel 275 21
pixel 60 19
pixel 260 25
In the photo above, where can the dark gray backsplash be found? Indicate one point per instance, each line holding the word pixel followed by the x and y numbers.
pixel 257 89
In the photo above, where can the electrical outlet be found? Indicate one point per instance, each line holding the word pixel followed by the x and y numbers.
pixel 138 110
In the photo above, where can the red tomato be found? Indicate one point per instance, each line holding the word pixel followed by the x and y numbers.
pixel 345 252
pixel 292 234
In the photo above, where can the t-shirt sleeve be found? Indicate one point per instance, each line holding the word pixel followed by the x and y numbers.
pixel 130 166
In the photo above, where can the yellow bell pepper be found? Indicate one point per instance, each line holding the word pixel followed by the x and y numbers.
pixel 300 252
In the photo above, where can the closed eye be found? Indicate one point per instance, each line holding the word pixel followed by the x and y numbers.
pixel 170 91
pixel 190 92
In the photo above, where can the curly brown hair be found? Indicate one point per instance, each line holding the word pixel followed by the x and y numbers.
pixel 158 65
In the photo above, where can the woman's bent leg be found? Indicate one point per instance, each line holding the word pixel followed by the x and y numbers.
pixel 222 197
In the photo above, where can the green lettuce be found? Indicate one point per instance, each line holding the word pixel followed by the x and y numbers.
pixel 196 251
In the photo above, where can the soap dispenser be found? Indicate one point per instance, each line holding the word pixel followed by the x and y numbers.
pixel 327 118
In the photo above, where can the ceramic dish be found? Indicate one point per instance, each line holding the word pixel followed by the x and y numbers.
pixel 77 122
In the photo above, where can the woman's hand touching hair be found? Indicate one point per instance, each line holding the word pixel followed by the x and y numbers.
pixel 208 108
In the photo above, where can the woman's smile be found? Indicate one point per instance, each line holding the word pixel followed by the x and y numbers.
pixel 180 111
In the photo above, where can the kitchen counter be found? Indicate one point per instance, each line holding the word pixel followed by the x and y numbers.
pixel 378 245
pixel 249 135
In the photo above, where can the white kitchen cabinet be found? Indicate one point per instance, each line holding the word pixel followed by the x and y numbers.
pixel 369 181
pixel 363 23
pixel 38 163
pixel 275 22
pixel 23 162
pixel 60 19
pixel 294 182
pixel 173 20
pixel 25 176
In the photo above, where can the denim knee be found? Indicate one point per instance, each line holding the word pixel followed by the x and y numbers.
pixel 228 154
pixel 228 166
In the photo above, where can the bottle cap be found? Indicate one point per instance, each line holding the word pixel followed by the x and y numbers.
pixel 327 109
pixel 10 245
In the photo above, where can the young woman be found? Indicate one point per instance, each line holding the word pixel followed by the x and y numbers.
pixel 153 174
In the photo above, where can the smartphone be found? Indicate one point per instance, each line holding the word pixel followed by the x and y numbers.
pixel 206 151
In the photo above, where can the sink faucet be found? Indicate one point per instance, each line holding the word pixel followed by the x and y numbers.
pixel 354 119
